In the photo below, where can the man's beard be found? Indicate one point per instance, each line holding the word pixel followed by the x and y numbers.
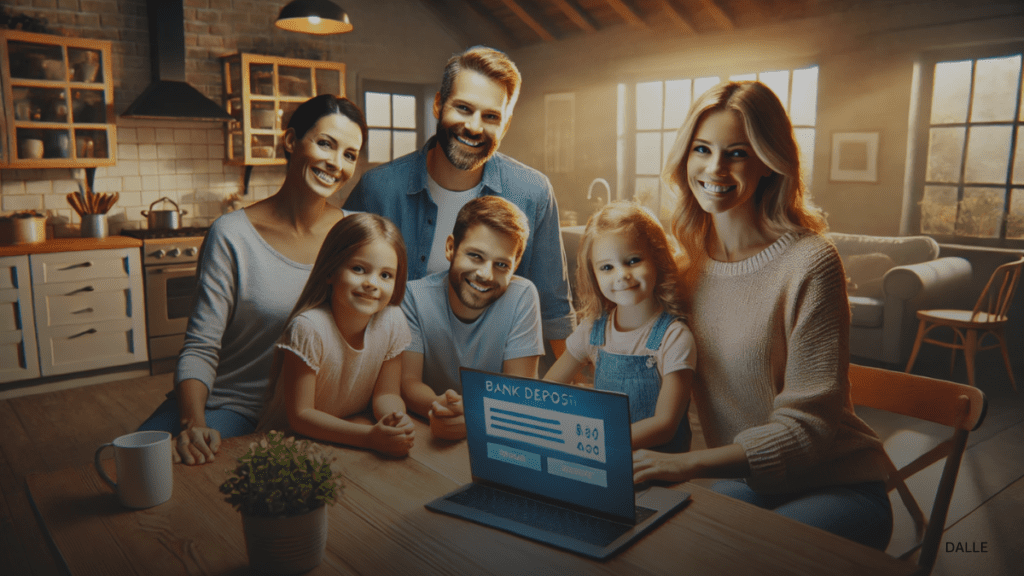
pixel 458 154
pixel 469 296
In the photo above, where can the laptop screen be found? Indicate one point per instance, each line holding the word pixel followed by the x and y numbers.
pixel 564 442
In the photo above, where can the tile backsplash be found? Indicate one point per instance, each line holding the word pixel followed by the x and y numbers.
pixel 183 161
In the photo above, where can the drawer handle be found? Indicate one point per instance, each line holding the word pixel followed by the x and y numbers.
pixel 83 311
pixel 79 265
pixel 89 331
pixel 85 289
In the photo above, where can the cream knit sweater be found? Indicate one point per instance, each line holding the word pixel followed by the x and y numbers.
pixel 772 335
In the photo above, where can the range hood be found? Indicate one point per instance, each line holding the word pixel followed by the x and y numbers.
pixel 169 97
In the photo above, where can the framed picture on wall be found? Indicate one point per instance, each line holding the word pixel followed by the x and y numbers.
pixel 854 157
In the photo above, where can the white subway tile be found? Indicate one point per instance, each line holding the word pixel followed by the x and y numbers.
pixel 148 152
pixel 12 203
pixel 146 135
pixel 165 136
pixel 39 187
pixel 127 135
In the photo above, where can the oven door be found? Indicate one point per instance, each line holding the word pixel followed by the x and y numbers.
pixel 170 295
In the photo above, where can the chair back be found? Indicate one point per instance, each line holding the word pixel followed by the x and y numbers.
pixel 958 406
pixel 994 303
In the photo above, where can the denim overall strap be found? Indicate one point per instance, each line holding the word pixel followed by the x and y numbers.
pixel 638 377
pixel 597 330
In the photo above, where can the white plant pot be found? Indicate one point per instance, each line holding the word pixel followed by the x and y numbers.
pixel 289 545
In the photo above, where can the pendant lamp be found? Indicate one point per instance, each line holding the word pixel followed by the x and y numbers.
pixel 320 17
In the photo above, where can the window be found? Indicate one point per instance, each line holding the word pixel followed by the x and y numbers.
pixel 973 190
pixel 659 110
pixel 392 114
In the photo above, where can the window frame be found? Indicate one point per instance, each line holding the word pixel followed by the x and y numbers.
pixel 423 94
pixel 918 144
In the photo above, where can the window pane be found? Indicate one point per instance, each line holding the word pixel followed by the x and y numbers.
pixel 378 148
pixel 648 106
pixel 378 109
pixel 1018 161
pixel 951 91
pixel 981 213
pixel 988 154
pixel 701 85
pixel 677 103
pixel 1015 221
pixel 805 140
pixel 945 150
pixel 995 89
pixel 404 143
pixel 938 210
pixel 667 140
pixel 779 83
pixel 404 107
pixel 803 109
pixel 741 77
pixel 648 153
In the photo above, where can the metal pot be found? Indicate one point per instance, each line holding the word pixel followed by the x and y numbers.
pixel 164 219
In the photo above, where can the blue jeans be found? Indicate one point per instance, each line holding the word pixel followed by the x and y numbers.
pixel 858 512
pixel 167 417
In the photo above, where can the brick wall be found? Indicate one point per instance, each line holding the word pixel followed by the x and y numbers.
pixel 393 40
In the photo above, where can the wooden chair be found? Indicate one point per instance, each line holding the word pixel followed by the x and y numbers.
pixel 956 405
pixel 970 327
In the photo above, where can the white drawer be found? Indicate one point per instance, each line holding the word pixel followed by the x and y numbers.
pixel 85 265
pixel 73 303
pixel 18 359
pixel 65 349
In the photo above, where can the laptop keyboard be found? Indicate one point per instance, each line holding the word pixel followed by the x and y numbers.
pixel 544 516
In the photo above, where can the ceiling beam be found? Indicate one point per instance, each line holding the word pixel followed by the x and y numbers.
pixel 529 20
pixel 627 13
pixel 574 15
pixel 468 26
pixel 678 19
pixel 718 14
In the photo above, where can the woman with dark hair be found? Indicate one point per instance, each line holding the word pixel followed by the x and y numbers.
pixel 770 316
pixel 252 268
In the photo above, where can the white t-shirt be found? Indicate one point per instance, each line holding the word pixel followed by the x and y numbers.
pixel 449 202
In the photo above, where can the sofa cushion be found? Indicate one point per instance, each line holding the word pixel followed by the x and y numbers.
pixel 866 312
pixel 864 273
pixel 902 249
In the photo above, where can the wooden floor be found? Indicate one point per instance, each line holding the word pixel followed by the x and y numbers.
pixel 55 430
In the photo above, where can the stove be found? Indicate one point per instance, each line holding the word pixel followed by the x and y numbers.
pixel 169 261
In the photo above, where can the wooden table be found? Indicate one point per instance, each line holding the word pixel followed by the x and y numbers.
pixel 380 528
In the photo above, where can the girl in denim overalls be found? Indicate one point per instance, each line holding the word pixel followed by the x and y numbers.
pixel 632 328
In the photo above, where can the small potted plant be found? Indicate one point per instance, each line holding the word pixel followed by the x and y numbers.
pixel 282 487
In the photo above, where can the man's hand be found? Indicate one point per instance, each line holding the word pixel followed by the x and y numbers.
pixel 447 420
pixel 393 434
pixel 196 445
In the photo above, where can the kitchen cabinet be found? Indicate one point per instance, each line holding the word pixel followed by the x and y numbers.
pixel 18 359
pixel 89 309
pixel 261 93
pixel 58 102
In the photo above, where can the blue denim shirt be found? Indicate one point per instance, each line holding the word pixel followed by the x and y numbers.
pixel 397 190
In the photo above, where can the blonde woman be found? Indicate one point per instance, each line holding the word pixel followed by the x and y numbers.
pixel 769 313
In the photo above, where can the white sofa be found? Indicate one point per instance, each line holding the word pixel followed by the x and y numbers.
pixel 883 327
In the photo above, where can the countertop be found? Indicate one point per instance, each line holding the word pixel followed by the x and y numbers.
pixel 70 245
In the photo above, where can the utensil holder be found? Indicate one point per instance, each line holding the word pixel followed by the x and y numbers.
pixel 94 225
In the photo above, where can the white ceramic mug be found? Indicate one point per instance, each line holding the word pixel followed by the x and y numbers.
pixel 143 463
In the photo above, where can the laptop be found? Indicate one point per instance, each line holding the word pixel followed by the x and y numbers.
pixel 552 463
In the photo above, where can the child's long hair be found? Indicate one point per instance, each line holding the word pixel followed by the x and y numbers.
pixel 623 217
pixel 349 235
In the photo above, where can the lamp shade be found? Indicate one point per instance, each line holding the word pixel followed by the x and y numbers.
pixel 320 17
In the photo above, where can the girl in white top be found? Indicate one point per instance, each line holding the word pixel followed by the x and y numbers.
pixel 632 328
pixel 340 351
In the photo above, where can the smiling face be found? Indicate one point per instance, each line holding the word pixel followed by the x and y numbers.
pixel 472 122
pixel 723 169
pixel 481 269
pixel 625 274
pixel 325 158
pixel 364 283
